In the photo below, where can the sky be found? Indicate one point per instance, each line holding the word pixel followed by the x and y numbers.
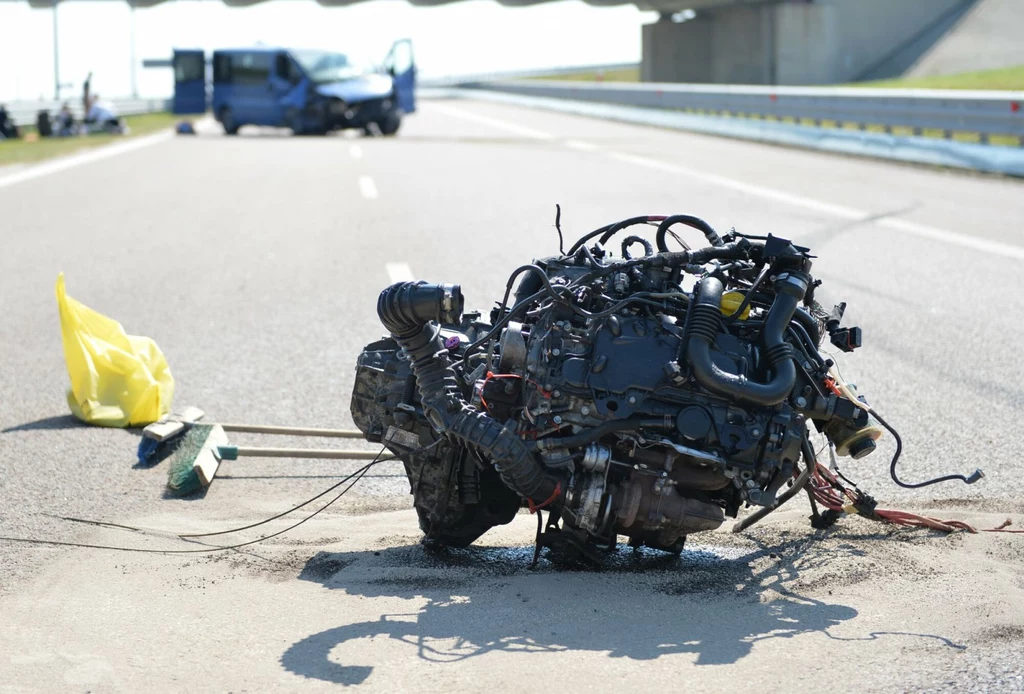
pixel 472 36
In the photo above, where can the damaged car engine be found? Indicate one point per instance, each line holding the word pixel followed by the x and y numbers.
pixel 639 392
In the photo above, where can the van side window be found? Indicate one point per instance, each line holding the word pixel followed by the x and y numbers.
pixel 250 68
pixel 286 69
pixel 221 68
pixel 189 67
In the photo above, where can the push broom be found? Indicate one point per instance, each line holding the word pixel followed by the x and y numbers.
pixel 161 437
pixel 195 461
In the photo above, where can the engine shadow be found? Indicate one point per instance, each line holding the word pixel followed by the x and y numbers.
pixel 715 603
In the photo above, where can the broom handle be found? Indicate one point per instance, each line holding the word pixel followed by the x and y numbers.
pixel 293 431
pixel 244 452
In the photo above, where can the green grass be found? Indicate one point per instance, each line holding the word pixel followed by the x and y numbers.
pixel 1011 78
pixel 22 152
pixel 1004 78
pixel 626 74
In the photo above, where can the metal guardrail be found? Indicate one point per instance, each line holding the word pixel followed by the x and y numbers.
pixel 457 80
pixel 25 112
pixel 986 117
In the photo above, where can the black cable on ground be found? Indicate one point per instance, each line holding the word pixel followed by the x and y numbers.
pixel 207 550
pixel 974 477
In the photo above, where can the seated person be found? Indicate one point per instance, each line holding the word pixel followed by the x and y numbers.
pixel 102 116
pixel 65 121
pixel 8 130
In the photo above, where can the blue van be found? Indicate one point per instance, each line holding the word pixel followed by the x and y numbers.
pixel 309 91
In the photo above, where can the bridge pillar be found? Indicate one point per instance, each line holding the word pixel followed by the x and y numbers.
pixel 794 42
pixel 726 45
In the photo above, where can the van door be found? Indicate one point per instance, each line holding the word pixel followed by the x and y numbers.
pixel 250 95
pixel 400 64
pixel 189 81
pixel 288 87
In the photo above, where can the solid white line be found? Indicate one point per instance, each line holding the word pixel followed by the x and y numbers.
pixel 995 247
pixel 1005 250
pixel 493 122
pixel 356 151
pixel 367 187
pixel 65 163
pixel 399 272
pixel 751 189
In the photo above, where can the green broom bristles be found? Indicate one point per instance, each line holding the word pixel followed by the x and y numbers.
pixel 182 478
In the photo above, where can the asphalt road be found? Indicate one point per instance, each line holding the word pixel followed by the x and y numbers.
pixel 255 262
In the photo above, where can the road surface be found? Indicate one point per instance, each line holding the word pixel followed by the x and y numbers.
pixel 255 263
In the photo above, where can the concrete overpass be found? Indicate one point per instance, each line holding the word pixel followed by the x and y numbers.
pixel 756 41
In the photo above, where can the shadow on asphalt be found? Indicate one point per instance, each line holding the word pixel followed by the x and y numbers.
pixel 64 421
pixel 715 603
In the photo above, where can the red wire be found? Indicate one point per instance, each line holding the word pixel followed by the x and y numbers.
pixel 488 378
pixel 554 495
pixel 826 490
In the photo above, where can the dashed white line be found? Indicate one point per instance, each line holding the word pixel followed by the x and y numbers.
pixel 367 187
pixel 581 145
pixel 399 272
pixel 493 122
pixel 65 163
pixel 1005 250
pixel 356 151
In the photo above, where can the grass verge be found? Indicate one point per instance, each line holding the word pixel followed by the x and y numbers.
pixel 1009 78
pixel 24 151
pixel 626 74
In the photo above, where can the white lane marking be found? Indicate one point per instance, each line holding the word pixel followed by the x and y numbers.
pixel 751 189
pixel 367 187
pixel 356 151
pixel 924 231
pixel 493 122
pixel 65 163
pixel 399 272
pixel 921 230
pixel 581 145
pixel 952 237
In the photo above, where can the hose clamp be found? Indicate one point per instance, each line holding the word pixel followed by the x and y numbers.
pixel 797 281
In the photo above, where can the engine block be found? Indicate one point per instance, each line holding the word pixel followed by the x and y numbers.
pixel 648 397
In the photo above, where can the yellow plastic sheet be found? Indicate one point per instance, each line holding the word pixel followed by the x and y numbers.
pixel 117 380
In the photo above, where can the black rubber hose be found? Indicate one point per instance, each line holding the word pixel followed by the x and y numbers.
pixel 804 318
pixel 630 240
pixel 607 231
pixel 409 311
pixel 689 220
pixel 706 323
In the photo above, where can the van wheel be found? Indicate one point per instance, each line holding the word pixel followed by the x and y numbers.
pixel 293 120
pixel 227 119
pixel 390 123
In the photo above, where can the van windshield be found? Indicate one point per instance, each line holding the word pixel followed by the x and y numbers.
pixel 323 67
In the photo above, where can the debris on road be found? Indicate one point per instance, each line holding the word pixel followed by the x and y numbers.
pixel 619 401
pixel 117 380
pixel 195 461
pixel 161 437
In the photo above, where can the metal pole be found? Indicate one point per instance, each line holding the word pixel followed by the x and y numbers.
pixel 56 56
pixel 135 86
